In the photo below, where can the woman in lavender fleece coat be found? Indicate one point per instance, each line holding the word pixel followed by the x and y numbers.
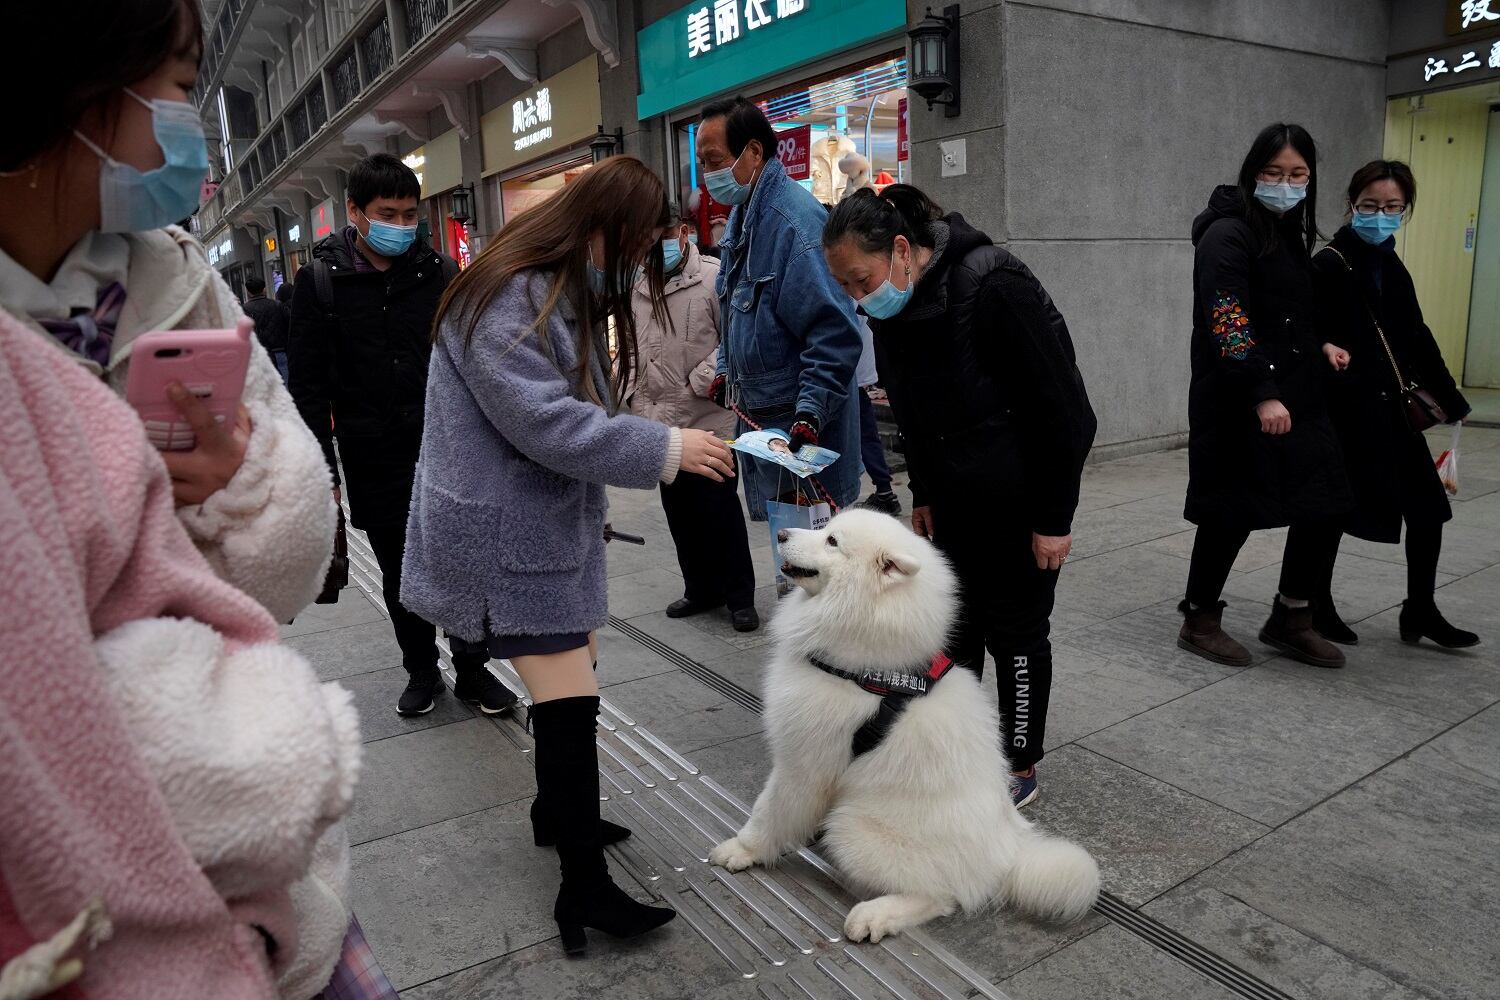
pixel 505 541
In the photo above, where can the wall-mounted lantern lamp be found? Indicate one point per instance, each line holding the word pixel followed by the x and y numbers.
pixel 934 59
pixel 604 145
pixel 462 208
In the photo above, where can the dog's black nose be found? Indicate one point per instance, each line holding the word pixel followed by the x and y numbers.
pixel 781 535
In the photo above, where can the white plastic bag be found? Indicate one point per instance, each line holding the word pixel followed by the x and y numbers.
pixel 1447 464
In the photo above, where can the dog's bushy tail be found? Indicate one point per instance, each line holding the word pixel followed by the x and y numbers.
pixel 1053 879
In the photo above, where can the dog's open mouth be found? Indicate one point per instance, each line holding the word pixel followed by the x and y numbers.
pixel 797 572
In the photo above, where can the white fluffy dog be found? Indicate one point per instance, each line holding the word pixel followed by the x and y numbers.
pixel 925 818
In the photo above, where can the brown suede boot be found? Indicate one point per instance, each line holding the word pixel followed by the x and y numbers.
pixel 1291 631
pixel 1202 634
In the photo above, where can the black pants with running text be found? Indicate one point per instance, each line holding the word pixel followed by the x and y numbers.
pixel 1006 607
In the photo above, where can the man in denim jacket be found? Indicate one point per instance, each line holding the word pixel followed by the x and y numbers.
pixel 790 340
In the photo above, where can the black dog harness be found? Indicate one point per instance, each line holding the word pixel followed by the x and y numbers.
pixel 896 689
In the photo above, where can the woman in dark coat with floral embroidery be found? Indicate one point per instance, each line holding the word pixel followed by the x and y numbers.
pixel 1262 452
pixel 1361 282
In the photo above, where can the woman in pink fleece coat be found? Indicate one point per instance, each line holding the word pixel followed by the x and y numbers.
pixel 168 768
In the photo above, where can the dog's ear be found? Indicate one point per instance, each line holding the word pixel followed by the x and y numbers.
pixel 898 566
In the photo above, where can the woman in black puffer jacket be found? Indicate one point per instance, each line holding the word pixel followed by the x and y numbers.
pixel 1361 282
pixel 982 378
pixel 1262 452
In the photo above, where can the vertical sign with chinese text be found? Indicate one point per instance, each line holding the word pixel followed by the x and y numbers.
pixel 794 149
pixel 903 137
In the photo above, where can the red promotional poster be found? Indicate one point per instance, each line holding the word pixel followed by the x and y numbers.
pixel 458 243
pixel 794 148
pixel 903 138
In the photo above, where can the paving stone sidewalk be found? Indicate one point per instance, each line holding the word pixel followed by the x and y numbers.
pixel 1334 833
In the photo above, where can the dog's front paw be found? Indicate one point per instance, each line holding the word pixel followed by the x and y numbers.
pixel 873 919
pixel 732 855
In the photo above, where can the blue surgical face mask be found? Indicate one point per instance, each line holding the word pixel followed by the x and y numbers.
pixel 133 201
pixel 1375 228
pixel 693 239
pixel 725 188
pixel 597 280
pixel 671 255
pixel 388 239
pixel 888 300
pixel 1280 197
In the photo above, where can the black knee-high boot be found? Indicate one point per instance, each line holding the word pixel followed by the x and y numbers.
pixel 567 777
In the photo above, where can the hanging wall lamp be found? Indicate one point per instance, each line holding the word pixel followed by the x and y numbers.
pixel 934 59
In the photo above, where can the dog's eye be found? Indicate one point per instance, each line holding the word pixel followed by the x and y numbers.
pixel 833 543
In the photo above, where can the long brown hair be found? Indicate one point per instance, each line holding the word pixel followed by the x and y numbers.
pixel 625 201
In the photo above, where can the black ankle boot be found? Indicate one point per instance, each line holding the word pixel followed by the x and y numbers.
pixel 567 777
pixel 1422 619
pixel 1328 624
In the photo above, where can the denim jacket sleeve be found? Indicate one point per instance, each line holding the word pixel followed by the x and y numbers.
pixel 811 304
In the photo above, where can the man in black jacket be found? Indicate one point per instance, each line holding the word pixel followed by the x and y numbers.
pixel 361 334
pixel 270 322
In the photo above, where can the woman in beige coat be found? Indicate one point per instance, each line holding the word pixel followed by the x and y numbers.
pixel 675 369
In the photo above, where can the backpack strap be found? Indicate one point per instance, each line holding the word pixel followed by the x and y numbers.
pixel 323 284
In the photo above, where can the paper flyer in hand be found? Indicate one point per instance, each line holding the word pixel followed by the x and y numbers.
pixel 808 461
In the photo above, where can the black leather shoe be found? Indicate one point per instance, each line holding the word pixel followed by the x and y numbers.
pixel 745 619
pixel 1328 623
pixel 1422 620
pixel 421 690
pixel 684 608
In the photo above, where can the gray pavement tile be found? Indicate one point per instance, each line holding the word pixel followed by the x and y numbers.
pixel 1000 943
pixel 1286 958
pixel 353 608
pixel 455 894
pixel 1361 586
pixel 352 649
pixel 375 695
pixel 1110 528
pixel 429 776
pixel 1399 873
pixel 1094 498
pixel 622 659
pixel 717 623
pixel 623 558
pixel 1090 693
pixel 1146 835
pixel 1468 750
pixel 1261 549
pixel 1471 603
pixel 1265 743
pixel 670 964
pixel 1111 964
pixel 1147 640
pixel 740 766
pixel 683 712
pixel 1446 684
pixel 644 592
pixel 1117 583
pixel 1066 621
pixel 746 667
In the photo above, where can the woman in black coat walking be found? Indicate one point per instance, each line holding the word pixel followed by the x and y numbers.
pixel 1262 452
pixel 981 376
pixel 1368 304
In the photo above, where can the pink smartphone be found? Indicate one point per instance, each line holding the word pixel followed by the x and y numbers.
pixel 211 364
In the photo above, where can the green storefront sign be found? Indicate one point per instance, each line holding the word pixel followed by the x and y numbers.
pixel 712 46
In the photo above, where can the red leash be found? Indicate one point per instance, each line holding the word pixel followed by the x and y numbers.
pixel 813 480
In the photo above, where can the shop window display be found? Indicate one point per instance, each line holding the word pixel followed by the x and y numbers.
pixel 840 131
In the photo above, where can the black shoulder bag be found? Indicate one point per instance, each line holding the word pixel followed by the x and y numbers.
pixel 1420 407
